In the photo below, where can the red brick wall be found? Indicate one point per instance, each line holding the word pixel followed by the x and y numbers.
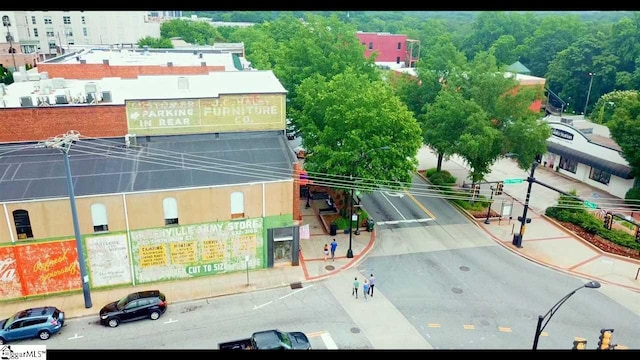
pixel 99 71
pixel 38 124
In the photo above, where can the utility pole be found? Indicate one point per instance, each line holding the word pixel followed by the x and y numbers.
pixel 7 23
pixel 517 238
pixel 63 143
pixel 591 75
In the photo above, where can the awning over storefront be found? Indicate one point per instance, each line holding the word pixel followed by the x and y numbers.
pixel 612 168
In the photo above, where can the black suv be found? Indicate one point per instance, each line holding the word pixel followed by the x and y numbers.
pixel 135 306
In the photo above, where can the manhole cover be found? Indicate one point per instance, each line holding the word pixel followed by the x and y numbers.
pixel 464 268
pixel 330 267
pixel 457 290
pixel 296 285
pixel 484 322
pixel 355 330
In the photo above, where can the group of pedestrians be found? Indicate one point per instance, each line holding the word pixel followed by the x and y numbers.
pixel 367 286
pixel 332 249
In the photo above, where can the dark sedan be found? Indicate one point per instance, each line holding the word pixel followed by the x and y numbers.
pixel 135 306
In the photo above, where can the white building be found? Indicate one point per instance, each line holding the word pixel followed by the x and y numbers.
pixel 51 32
pixel 584 151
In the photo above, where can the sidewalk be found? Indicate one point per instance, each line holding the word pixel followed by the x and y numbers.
pixel 544 242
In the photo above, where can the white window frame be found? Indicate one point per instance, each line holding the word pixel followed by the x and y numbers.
pixel 99 217
pixel 237 204
pixel 170 208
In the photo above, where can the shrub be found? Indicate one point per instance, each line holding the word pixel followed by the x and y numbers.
pixel 430 172
pixel 632 196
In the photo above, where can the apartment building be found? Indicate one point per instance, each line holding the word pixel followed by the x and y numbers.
pixel 50 33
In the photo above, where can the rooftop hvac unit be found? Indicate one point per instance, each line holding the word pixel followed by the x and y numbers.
pixel 203 63
pixel 183 83
pixel 61 99
pixel 57 83
pixel 105 61
pixel 106 96
pixel 90 87
pixel 26 101
pixel 83 61
pixel 169 64
pixel 43 101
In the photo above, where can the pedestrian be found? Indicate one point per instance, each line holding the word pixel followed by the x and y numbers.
pixel 356 285
pixel 365 288
pixel 326 251
pixel 334 245
pixel 372 283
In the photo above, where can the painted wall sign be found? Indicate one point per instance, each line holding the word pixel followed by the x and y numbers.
pixel 189 116
pixel 10 286
pixel 108 257
pixel 196 250
pixel 48 267
pixel 562 134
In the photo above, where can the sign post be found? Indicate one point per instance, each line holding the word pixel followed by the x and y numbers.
pixel 512 181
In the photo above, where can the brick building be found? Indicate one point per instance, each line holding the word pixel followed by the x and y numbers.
pixel 392 50
pixel 175 176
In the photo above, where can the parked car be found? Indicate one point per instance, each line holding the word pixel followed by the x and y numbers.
pixel 40 322
pixel 291 130
pixel 135 306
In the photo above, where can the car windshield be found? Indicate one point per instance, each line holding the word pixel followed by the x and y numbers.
pixel 122 302
pixel 284 339
pixel 3 323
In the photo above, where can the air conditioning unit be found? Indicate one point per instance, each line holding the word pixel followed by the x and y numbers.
pixel 62 99
pixel 90 87
pixel 43 101
pixel 203 63
pixel 169 64
pixel 105 61
pixel 26 101
pixel 106 96
pixel 90 98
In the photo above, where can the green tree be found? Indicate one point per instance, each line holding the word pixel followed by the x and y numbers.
pixel 351 115
pixel 605 107
pixel 444 121
pixel 625 129
pixel 192 32
pixel 480 145
pixel 504 49
pixel 155 43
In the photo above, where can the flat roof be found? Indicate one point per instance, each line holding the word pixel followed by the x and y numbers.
pixel 108 166
pixel 147 87
pixel 139 57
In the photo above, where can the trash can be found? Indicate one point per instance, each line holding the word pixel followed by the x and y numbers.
pixel 517 240
pixel 370 224
pixel 333 229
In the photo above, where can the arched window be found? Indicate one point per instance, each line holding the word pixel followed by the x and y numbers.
pixel 23 224
pixel 99 217
pixel 170 206
pixel 237 205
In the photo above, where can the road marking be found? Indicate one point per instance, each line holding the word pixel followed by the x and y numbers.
pixel 295 292
pixel 328 341
pixel 170 321
pixel 504 329
pixel 621 347
pixel 433 325
pixel 255 307
pixel 76 336
pixel 395 222
pixel 469 327
pixel 393 206
pixel 420 205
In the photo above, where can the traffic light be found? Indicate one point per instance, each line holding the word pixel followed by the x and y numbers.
pixel 476 191
pixel 499 188
pixel 608 221
pixel 579 344
pixel 604 342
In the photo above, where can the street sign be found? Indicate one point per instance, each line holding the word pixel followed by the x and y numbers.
pixel 512 181
pixel 590 205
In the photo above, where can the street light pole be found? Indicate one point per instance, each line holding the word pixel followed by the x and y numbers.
pixel 588 94
pixel 63 143
pixel 517 238
pixel 7 23
pixel 540 327
pixel 362 156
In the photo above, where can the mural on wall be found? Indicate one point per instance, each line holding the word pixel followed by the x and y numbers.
pixel 108 260
pixel 197 250
pixel 227 113
pixel 10 286
pixel 48 267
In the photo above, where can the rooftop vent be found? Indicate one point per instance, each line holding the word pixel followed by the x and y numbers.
pixel 26 101
pixel 203 63
pixel 83 61
pixel 170 64
pixel 105 61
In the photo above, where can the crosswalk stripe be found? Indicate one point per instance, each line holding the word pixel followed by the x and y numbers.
pixel 328 341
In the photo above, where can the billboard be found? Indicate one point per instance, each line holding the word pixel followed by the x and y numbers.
pixel 186 251
pixel 227 113
pixel 108 258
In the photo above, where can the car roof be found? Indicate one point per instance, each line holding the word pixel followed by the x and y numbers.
pixel 36 311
